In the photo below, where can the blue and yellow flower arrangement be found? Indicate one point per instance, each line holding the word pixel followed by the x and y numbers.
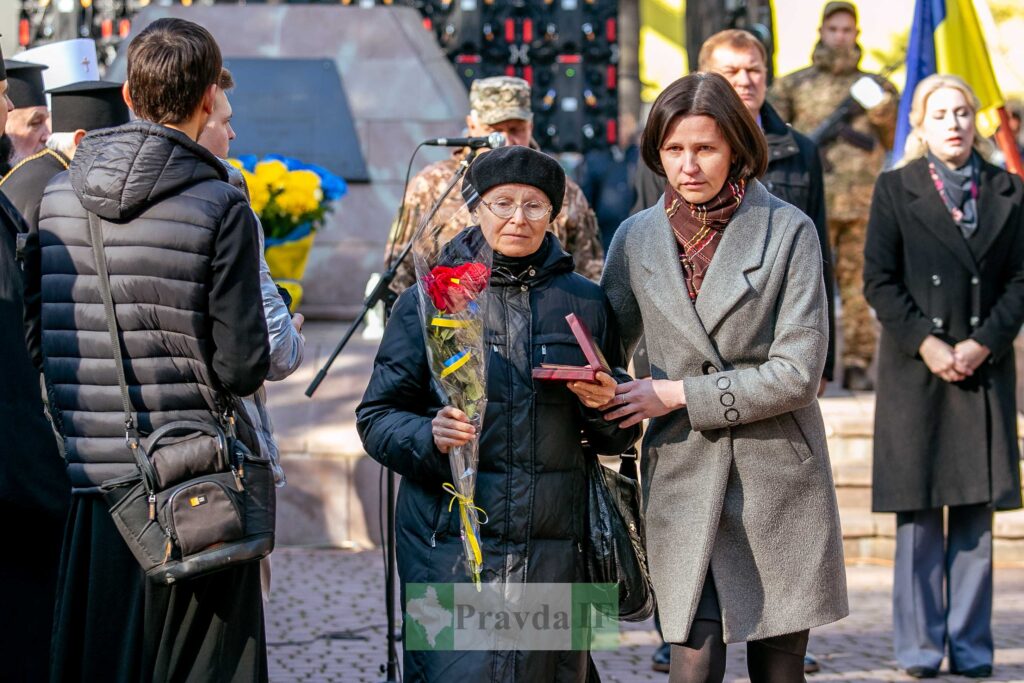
pixel 292 199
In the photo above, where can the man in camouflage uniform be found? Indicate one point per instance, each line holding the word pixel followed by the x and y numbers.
pixel 853 160
pixel 499 104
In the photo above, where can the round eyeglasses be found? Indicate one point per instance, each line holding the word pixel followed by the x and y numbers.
pixel 506 208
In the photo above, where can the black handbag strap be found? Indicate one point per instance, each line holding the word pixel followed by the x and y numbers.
pixel 96 237
pixel 131 433
pixel 627 461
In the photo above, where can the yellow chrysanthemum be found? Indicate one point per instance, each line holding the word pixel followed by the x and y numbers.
pixel 300 193
pixel 304 178
pixel 259 194
pixel 237 164
pixel 272 172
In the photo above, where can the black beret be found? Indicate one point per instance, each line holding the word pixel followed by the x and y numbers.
pixel 25 83
pixel 520 165
pixel 87 105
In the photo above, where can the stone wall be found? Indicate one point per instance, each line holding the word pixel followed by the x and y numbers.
pixel 401 89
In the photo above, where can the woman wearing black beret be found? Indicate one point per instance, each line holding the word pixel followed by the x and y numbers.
pixel 531 479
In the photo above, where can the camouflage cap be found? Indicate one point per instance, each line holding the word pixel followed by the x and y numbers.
pixel 838 6
pixel 500 98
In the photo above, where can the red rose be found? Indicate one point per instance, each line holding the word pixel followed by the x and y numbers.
pixel 437 287
pixel 451 289
pixel 474 277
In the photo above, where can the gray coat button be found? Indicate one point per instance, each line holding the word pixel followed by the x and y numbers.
pixel 936 280
pixel 732 415
pixel 708 368
pixel 975 320
pixel 937 322
pixel 728 399
pixel 975 281
pixel 524 288
pixel 723 383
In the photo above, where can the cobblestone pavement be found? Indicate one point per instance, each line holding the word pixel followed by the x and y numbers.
pixel 326 623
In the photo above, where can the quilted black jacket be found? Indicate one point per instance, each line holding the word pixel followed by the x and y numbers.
pixel 531 473
pixel 182 250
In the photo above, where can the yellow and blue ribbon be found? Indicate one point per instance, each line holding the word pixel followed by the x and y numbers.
pixel 438 321
pixel 455 362
pixel 466 504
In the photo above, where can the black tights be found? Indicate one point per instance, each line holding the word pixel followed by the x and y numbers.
pixel 701 659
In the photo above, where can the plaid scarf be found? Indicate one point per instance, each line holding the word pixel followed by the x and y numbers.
pixel 699 229
pixel 958 190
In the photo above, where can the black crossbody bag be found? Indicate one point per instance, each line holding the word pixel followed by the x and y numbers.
pixel 200 500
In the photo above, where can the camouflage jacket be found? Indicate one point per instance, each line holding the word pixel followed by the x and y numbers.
pixel 807 97
pixel 575 226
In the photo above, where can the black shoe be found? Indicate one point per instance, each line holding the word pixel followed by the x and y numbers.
pixel 661 658
pixel 983 671
pixel 922 672
pixel 811 665
pixel 855 378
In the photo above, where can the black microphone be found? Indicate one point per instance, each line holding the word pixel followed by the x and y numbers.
pixel 492 141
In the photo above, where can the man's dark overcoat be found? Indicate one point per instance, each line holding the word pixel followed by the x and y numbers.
pixel 24 186
pixel 34 488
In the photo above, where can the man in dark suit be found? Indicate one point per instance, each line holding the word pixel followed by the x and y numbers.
pixel 794 167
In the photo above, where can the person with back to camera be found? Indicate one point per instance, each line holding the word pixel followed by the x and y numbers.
pixel 182 251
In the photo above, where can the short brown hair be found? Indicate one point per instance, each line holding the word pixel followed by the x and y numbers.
pixel 226 80
pixel 170 66
pixel 707 94
pixel 737 39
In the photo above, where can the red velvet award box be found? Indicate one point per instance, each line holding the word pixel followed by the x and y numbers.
pixel 570 373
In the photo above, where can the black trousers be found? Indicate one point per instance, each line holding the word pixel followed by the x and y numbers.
pixel 114 625
pixel 28 585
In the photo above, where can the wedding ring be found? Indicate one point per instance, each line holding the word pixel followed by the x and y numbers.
pixel 622 399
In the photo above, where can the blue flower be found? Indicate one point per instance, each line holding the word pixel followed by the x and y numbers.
pixel 248 161
pixel 333 186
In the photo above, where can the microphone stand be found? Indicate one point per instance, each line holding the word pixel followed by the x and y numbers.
pixel 382 292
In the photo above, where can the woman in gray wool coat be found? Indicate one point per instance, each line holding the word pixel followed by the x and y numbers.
pixel 725 282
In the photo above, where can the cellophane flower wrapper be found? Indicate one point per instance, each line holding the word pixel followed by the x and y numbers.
pixel 453 296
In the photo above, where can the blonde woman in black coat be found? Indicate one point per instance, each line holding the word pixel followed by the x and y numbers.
pixel 944 271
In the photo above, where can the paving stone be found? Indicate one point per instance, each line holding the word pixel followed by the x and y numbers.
pixel 319 592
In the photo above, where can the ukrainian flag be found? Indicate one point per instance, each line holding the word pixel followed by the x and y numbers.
pixel 946 38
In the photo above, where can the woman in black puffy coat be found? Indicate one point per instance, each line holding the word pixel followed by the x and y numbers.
pixel 531 480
